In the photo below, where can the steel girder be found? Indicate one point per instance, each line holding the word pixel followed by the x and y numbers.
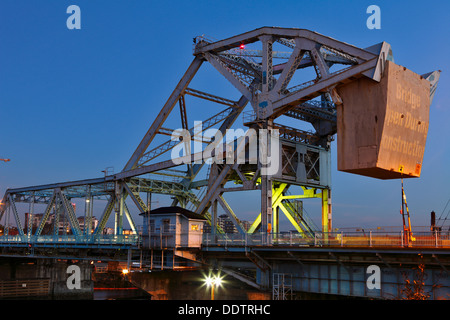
pixel 58 197
pixel 271 86
pixel 268 87
pixel 258 82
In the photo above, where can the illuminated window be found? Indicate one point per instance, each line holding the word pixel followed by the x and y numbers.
pixel 166 225
pixel 194 227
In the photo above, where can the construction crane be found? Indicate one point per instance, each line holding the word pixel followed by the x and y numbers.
pixel 407 230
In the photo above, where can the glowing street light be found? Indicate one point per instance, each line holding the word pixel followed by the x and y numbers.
pixel 213 282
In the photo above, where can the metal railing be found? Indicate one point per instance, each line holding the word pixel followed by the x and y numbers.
pixel 430 239
pixel 170 237
pixel 24 288
pixel 106 240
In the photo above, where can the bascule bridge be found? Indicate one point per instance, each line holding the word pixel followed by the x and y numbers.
pixel 295 91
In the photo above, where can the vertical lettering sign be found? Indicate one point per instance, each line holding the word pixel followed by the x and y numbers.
pixel 406 121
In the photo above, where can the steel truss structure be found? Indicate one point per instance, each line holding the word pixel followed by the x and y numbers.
pixel 272 82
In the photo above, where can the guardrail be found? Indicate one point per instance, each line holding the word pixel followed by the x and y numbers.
pixel 24 288
pixel 433 239
pixel 99 240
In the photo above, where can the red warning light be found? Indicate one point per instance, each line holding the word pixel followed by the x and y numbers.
pixel 242 46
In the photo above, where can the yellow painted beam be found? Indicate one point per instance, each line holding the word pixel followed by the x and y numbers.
pixel 275 196
pixel 291 219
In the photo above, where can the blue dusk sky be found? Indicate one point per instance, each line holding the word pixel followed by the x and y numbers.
pixel 73 102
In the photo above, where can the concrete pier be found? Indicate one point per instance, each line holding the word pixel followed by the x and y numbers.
pixel 46 278
pixel 190 285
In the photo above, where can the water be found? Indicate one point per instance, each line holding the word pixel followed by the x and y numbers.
pixel 121 294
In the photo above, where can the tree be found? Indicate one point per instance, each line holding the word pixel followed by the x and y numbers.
pixel 415 289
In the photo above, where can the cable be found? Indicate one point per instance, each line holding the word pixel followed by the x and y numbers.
pixel 443 211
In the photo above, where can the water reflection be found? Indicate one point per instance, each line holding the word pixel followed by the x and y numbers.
pixel 121 294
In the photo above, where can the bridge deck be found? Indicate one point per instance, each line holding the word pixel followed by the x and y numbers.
pixel 430 239
pixel 344 239
pixel 85 241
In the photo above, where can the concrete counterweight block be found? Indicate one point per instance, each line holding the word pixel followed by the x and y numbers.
pixel 382 126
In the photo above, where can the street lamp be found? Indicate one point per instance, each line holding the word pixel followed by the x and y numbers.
pixel 213 282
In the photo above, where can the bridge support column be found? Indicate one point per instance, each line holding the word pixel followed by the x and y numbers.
pixel 266 184
pixel 326 211
pixel 263 276
pixel 47 278
pixel 68 279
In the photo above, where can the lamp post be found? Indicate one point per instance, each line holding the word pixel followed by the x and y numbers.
pixel 125 273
